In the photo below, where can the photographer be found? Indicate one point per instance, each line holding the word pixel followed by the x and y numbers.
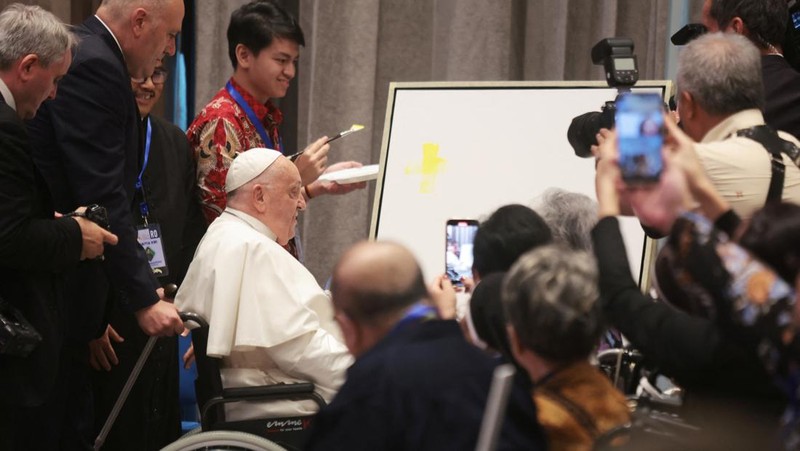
pixel 729 394
pixel 35 248
pixel 720 103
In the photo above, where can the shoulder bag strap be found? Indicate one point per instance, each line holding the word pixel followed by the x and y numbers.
pixel 768 138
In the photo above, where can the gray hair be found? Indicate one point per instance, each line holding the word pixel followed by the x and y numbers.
pixel 570 216
pixel 722 71
pixel 550 296
pixel 27 29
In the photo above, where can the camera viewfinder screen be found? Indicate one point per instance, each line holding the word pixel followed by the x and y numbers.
pixel 458 252
pixel 640 134
pixel 624 64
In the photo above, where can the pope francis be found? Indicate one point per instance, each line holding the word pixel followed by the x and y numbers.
pixel 269 320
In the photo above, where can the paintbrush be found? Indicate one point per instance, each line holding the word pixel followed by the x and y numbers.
pixel 354 128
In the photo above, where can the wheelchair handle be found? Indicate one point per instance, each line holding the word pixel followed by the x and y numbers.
pixel 193 317
pixel 170 290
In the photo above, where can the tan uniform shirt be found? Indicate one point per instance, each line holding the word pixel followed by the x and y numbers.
pixel 740 168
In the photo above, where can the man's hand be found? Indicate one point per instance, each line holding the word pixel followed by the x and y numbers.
pixel 607 177
pixel 313 161
pixel 469 284
pixel 443 297
pixel 94 237
pixel 101 353
pixel 321 187
pixel 160 319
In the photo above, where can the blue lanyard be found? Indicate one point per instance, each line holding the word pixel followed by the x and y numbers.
pixel 146 153
pixel 252 116
pixel 145 210
pixel 416 313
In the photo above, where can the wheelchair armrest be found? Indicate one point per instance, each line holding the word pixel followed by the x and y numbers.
pixel 303 388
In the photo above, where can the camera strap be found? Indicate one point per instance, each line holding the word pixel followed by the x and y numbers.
pixel 776 146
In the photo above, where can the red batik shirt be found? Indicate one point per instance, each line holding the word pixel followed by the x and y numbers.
pixel 220 132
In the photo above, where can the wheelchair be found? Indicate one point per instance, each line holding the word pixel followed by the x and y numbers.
pixel 655 406
pixel 270 434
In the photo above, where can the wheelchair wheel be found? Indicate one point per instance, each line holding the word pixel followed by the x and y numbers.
pixel 214 440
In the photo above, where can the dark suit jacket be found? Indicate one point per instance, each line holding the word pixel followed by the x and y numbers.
pixel 782 91
pixel 87 144
pixel 34 250
pixel 423 387
pixel 170 184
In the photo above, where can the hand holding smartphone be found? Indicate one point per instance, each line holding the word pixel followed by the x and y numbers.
pixel 459 236
pixel 640 137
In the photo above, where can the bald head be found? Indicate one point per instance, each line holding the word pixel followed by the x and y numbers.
pixel 376 280
pixel 120 9
pixel 146 31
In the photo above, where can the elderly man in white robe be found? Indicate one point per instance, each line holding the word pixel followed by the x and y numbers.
pixel 269 320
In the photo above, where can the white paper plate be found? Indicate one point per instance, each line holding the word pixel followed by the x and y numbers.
pixel 352 175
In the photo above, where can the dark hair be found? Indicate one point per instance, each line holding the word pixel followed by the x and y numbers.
pixel 257 23
pixel 509 232
pixel 486 311
pixel 773 236
pixel 765 19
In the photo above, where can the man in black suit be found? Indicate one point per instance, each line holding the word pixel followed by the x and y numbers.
pixel 35 247
pixel 87 145
pixel 169 186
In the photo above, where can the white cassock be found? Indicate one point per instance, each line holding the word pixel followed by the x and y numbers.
pixel 269 320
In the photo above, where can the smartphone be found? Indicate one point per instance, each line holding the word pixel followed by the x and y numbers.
pixel 640 136
pixel 459 236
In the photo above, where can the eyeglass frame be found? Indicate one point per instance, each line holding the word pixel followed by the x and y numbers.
pixel 153 77
pixel 159 72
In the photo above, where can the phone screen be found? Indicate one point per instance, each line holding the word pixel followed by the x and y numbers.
pixel 640 136
pixel 459 236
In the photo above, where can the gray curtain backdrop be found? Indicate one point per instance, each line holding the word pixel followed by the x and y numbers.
pixel 355 48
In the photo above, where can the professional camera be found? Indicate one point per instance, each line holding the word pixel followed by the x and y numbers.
pixel 95 213
pixel 622 72
pixel 98 215
pixel 688 33
pixel 17 337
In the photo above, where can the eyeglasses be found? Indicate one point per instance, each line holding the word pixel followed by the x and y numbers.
pixel 159 76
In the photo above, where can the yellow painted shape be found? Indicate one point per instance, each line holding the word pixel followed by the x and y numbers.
pixel 431 166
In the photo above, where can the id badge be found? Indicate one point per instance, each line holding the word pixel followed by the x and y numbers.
pixel 149 237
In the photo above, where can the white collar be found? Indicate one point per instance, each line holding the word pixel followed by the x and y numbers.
pixel 252 222
pixel 112 35
pixel 7 96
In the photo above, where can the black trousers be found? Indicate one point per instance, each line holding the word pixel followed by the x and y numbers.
pixel 150 417
pixel 63 421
